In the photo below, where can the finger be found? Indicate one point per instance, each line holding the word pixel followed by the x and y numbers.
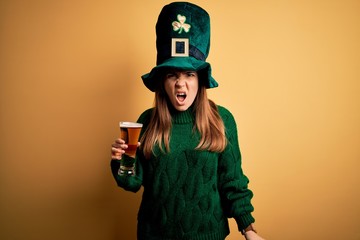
pixel 119 141
pixel 115 157
pixel 116 150
pixel 117 153
pixel 138 144
pixel 120 145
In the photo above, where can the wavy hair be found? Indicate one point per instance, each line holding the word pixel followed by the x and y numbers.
pixel 207 121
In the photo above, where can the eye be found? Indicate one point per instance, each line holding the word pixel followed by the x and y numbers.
pixel 191 74
pixel 170 75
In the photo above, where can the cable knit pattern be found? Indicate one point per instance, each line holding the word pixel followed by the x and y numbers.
pixel 189 194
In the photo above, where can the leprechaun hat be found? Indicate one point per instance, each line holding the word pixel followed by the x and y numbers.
pixel 182 42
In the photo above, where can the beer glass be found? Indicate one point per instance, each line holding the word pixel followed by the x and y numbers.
pixel 129 132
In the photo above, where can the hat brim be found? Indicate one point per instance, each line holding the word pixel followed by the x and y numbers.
pixel 151 80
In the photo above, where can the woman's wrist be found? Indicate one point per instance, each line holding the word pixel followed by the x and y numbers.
pixel 249 228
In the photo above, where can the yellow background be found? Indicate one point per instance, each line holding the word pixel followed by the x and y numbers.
pixel 70 70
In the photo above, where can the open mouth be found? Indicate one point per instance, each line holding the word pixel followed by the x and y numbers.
pixel 181 97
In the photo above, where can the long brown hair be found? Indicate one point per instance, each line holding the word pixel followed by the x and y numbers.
pixel 207 121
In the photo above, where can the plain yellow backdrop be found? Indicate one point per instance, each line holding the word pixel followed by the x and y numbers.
pixel 70 70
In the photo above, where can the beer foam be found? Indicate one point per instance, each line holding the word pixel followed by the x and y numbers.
pixel 130 125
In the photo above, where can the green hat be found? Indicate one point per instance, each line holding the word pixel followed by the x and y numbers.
pixel 183 42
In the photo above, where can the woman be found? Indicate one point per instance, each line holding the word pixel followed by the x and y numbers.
pixel 189 160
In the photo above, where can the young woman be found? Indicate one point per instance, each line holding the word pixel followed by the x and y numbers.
pixel 189 161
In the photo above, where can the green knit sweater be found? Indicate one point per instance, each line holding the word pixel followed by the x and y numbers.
pixel 189 194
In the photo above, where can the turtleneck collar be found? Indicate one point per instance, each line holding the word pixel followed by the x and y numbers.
pixel 183 117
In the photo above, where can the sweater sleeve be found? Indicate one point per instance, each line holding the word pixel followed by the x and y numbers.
pixel 128 182
pixel 233 184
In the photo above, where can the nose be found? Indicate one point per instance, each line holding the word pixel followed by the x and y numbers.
pixel 180 81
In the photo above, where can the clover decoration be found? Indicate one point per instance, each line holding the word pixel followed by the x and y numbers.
pixel 180 25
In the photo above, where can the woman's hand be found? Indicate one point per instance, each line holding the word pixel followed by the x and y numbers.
pixel 251 235
pixel 118 148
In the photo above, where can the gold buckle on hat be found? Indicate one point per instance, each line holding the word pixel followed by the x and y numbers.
pixel 179 47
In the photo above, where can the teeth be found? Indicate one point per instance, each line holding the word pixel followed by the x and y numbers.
pixel 181 96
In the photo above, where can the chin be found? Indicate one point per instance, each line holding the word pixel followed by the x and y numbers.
pixel 181 108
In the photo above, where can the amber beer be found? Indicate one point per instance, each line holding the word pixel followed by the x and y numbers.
pixel 130 132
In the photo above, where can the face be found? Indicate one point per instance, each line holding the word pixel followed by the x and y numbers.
pixel 181 88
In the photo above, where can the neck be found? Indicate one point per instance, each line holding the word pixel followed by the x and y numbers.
pixel 181 117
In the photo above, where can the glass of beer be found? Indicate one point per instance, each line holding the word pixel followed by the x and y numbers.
pixel 129 132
